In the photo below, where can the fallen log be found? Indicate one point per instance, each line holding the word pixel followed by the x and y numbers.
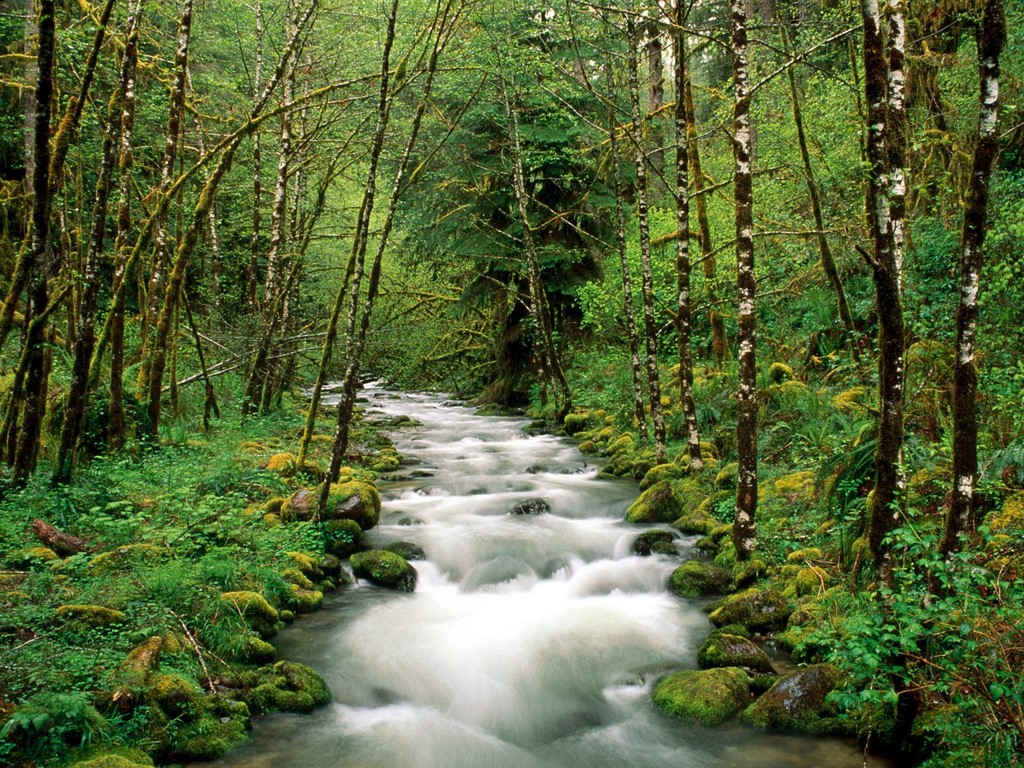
pixel 64 544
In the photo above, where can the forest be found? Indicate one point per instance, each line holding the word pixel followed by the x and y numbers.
pixel 764 258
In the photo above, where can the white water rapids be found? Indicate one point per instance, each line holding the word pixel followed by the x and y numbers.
pixel 531 641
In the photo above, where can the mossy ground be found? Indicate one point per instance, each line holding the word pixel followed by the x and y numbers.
pixel 183 574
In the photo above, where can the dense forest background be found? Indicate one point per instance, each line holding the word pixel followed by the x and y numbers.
pixel 778 245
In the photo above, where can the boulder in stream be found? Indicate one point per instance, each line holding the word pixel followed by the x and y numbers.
pixel 354 500
pixel 658 504
pixel 709 696
pixel 407 550
pixel 725 650
pixel 530 507
pixel 759 610
pixel 797 702
pixel 697 578
pixel 654 542
pixel 384 568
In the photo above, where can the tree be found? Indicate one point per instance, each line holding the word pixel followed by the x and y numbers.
pixel 744 530
pixel 961 517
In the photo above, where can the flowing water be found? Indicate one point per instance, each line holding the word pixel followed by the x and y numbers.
pixel 531 641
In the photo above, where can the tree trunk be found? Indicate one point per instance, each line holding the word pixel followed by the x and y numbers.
pixel 744 529
pixel 358 256
pixel 26 444
pixel 886 123
pixel 122 247
pixel 254 244
pixel 961 518
pixel 683 310
pixel 159 266
pixel 650 325
pixel 719 344
pixel 77 400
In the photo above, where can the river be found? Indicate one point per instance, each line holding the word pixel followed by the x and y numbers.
pixel 531 641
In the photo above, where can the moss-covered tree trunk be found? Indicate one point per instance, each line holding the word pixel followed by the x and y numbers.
pixel 682 194
pixel 744 527
pixel 647 285
pixel 961 516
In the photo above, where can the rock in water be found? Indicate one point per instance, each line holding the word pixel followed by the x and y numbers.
pixel 530 507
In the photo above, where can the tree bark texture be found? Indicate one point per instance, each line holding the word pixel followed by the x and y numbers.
pixel 961 518
pixel 744 530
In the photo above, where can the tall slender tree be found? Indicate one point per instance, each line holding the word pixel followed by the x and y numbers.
pixel 744 530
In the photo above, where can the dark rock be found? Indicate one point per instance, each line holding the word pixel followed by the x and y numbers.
pixel 407 550
pixel 654 542
pixel 530 507
pixel 797 702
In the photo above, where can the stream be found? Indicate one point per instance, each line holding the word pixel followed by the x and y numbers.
pixel 531 641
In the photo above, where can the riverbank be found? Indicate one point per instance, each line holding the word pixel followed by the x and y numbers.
pixel 138 603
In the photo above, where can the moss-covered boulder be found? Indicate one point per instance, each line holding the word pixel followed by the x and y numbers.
pixel 282 463
pixel 176 696
pixel 255 609
pixel 696 578
pixel 354 500
pixel 303 600
pixel 725 650
pixel 576 422
pixel 253 649
pixel 779 372
pixel 727 476
pixel 288 687
pixel 709 696
pixel 797 702
pixel 114 757
pixel 587 446
pixel 341 537
pixel 90 615
pixel 620 444
pixel 384 568
pixel 658 504
pixel 307 564
pixel 300 505
pixel 297 577
pixel 759 610
pixel 661 472
pixel 654 542
pixel 796 486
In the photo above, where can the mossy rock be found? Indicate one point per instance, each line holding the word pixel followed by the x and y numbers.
pixel 331 566
pixel 299 677
pixel 749 571
pixel 385 462
pixel 654 542
pixel 114 757
pixel 255 650
pixel 1009 519
pixel 288 687
pixel 727 476
pixel 255 609
pixel 342 537
pixel 384 568
pixel 853 401
pixel 128 557
pixel 304 600
pixel 282 463
pixel 709 696
pixel 658 504
pixel 301 505
pixel 724 650
pixel 308 565
pixel 779 372
pixel 797 702
pixel 354 500
pixel 659 473
pixel 696 578
pixel 210 737
pixel 798 486
pixel 576 422
pixel 811 581
pixel 620 465
pixel 297 578
pixel 759 610
pixel 587 446
pixel 32 557
pixel 90 615
pixel 273 506
pixel 642 464
pixel 176 696
pixel 801 556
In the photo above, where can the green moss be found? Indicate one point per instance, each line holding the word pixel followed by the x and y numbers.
pixel 297 578
pixel 696 578
pixel 282 463
pixel 779 372
pixel 342 537
pixel 90 615
pixel 658 504
pixel 384 568
pixel 305 600
pixel 587 446
pixel 299 677
pixel 123 758
pixel 709 696
pixel 255 609
pixel 255 650
pixel 756 609
pixel 724 650
pixel 128 557
pixel 576 422
pixel 307 564
pixel 727 475
pixel 796 486
pixel 176 696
